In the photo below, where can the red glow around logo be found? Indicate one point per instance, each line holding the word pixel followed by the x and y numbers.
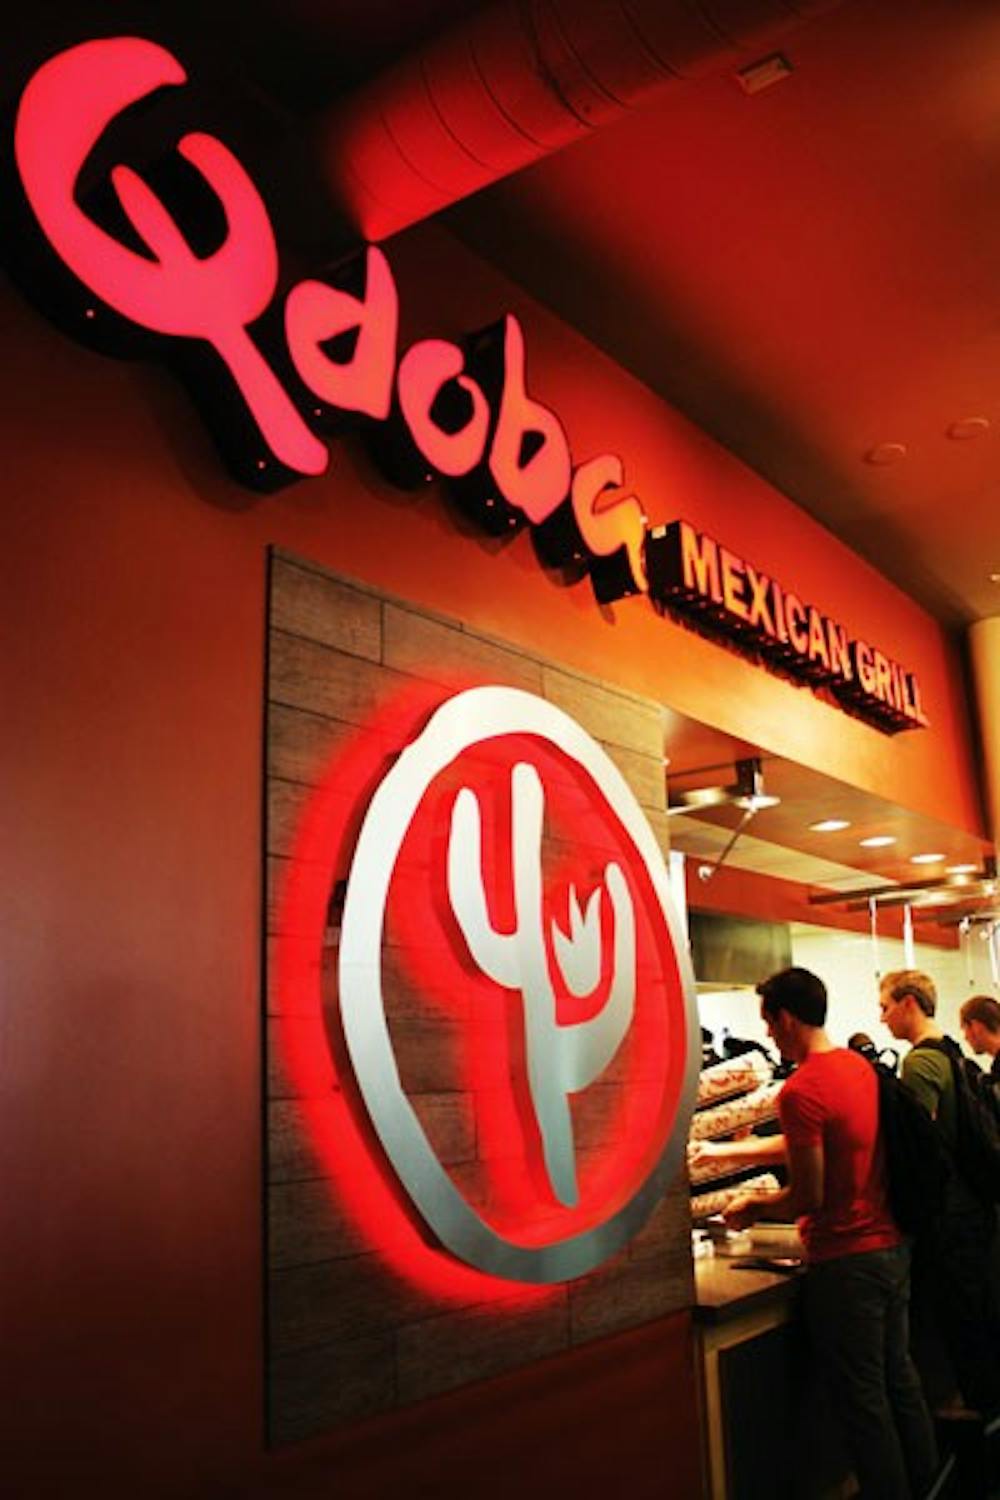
pixel 618 1121
pixel 459 1038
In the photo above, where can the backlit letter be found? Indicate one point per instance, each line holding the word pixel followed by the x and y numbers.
pixel 424 371
pixel 529 458
pixel 608 522
pixel 795 618
pixel 317 311
pixel 64 110
pixel 700 560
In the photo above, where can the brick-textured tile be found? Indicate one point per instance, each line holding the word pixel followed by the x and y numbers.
pixel 316 1389
pixel 308 603
pixel 451 655
pixel 308 1224
pixel 623 1295
pixel 446 1352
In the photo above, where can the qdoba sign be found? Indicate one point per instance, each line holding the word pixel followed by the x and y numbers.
pixel 508 865
pixel 273 373
pixel 725 594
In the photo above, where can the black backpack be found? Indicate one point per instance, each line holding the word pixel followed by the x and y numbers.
pixel 978 1115
pixel 916 1159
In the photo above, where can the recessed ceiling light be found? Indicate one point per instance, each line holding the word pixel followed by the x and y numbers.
pixel 961 869
pixel 877 841
pixel 925 859
pixel 968 427
pixel 829 825
pixel 885 453
pixel 761 75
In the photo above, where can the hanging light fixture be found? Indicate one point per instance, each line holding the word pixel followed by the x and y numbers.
pixel 747 792
pixel 873 919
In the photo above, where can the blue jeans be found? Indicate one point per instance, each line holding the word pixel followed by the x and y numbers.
pixel 857 1313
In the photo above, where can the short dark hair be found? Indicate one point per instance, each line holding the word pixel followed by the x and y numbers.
pixel 799 991
pixel 982 1008
pixel 911 984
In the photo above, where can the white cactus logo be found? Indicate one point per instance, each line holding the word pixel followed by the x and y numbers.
pixel 561 1059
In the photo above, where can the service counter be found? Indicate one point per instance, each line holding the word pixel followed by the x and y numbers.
pixel 767 1426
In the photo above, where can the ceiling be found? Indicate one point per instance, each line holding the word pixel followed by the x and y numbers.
pixel 810 272
pixel 782 841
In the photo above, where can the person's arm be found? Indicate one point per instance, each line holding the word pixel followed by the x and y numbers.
pixel 802 1126
pixel 751 1151
pixel 803 1195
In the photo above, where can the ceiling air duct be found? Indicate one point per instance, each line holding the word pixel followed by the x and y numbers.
pixel 517 81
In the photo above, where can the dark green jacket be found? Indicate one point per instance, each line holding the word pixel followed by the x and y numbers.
pixel 927 1073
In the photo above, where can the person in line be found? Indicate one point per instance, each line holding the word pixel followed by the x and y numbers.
pixel 860 1041
pixel 958 1250
pixel 856 1287
pixel 709 1056
pixel 980 1018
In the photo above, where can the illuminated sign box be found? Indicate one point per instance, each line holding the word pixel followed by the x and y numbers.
pixel 724 594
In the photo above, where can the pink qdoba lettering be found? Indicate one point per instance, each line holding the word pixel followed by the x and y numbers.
pixel 607 521
pixel 465 415
pixel 316 312
pixel 424 371
pixel 537 482
pixel 63 112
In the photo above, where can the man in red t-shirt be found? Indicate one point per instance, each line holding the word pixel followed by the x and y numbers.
pixel 856 1291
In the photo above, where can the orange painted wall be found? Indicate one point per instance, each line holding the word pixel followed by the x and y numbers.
pixel 680 472
pixel 132 666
